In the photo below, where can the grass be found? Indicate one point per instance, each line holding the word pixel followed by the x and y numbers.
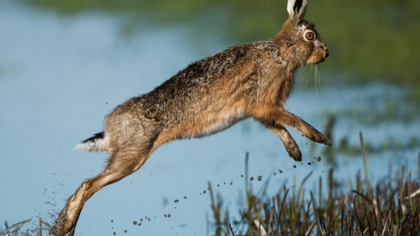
pixel 24 228
pixel 30 227
pixel 391 207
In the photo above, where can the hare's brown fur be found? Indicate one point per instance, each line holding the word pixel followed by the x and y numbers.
pixel 250 80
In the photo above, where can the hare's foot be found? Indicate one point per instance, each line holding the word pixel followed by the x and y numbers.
pixel 65 224
pixel 293 150
pixel 314 135
pixel 122 164
pixel 289 143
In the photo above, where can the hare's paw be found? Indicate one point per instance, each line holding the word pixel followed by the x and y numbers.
pixel 65 223
pixel 294 151
pixel 314 135
pixel 62 227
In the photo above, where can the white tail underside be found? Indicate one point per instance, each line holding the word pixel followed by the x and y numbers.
pixel 94 145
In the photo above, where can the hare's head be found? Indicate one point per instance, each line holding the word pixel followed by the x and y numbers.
pixel 298 40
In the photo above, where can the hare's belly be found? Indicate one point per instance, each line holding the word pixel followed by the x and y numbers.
pixel 214 124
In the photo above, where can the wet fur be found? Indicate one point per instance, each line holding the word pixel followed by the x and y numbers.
pixel 250 80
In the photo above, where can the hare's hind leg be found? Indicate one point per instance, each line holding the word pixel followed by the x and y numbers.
pixel 120 165
pixel 289 143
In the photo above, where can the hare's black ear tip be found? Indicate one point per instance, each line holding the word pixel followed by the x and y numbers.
pixel 297 8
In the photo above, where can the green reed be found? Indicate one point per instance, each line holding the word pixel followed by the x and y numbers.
pixel 390 207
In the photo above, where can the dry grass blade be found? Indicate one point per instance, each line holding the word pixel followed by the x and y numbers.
pixel 301 186
pixel 369 188
pixel 270 220
pixel 364 197
pixel 15 227
pixel 281 209
pixel 359 223
pixel 386 222
pixel 316 213
pixel 310 228
pixel 301 230
pixel 260 228
pixel 231 230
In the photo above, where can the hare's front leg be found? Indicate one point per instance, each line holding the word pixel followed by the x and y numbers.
pixel 289 143
pixel 286 118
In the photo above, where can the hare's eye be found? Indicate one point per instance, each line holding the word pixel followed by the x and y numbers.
pixel 309 36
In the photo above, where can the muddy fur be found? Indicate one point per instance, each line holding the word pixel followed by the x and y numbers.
pixel 249 80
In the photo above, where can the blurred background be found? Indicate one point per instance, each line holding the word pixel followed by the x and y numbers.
pixel 65 64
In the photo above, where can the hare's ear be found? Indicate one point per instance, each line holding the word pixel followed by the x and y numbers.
pixel 297 8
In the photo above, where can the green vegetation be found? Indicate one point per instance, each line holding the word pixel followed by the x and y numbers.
pixel 368 39
pixel 336 207
pixel 343 145
pixel 346 148
pixel 356 208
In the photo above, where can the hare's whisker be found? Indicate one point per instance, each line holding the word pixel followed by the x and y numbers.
pixel 317 81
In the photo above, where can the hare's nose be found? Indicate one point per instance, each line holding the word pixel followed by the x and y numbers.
pixel 326 51
pixel 324 47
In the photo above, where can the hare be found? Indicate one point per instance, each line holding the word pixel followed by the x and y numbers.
pixel 250 80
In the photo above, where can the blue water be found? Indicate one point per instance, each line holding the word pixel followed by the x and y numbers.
pixel 59 77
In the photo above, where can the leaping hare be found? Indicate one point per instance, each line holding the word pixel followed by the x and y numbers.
pixel 250 80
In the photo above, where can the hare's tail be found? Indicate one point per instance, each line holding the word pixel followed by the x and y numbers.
pixel 99 142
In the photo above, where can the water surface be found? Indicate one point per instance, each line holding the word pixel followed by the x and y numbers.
pixel 61 75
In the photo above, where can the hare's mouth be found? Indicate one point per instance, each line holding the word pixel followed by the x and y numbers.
pixel 316 59
pixel 322 60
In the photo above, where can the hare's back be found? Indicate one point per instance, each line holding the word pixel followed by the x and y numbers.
pixel 201 74
pixel 201 81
